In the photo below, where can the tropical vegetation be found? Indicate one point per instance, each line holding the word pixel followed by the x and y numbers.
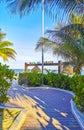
pixel 30 79
pixel 6 74
pixel 6 51
pixel 68 42
pixel 76 19
pixel 6 77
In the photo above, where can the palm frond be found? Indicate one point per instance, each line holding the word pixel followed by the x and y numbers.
pixel 22 6
pixel 6 51
pixel 75 27
pixel 46 43
pixel 5 44
pixel 51 6
pixel 10 55
pixel 67 29
pixel 68 35
pixel 5 58
pixel 7 55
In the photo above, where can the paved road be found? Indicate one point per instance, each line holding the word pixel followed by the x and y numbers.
pixel 48 109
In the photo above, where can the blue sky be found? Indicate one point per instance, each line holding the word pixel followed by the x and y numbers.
pixel 24 33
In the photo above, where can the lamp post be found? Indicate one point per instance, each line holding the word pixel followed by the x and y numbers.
pixel 42 41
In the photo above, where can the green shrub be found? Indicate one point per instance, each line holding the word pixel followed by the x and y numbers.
pixel 51 79
pixel 75 81
pixel 65 82
pixel 22 79
pixel 57 80
pixel 34 79
pixel 30 79
pixel 77 86
pixel 79 96
pixel 6 77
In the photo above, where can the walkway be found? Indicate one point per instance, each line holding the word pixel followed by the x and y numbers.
pixel 48 109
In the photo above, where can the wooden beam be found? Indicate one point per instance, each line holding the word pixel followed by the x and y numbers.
pixel 45 63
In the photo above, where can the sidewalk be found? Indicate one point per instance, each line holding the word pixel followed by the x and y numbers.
pixel 48 109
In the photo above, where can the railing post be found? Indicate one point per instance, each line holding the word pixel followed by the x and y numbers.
pixel 26 67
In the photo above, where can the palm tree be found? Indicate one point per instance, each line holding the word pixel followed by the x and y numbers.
pixel 6 51
pixel 66 44
pixel 71 44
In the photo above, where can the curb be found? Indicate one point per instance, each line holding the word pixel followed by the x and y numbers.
pixel 78 115
pixel 49 87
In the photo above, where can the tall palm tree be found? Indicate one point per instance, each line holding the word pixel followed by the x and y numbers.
pixel 6 51
pixel 66 44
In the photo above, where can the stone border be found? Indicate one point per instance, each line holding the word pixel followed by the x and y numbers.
pixel 49 87
pixel 78 115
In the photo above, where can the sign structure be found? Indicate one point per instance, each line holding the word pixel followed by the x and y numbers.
pixel 46 63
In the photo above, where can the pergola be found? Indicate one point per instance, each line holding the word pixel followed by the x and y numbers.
pixel 47 63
